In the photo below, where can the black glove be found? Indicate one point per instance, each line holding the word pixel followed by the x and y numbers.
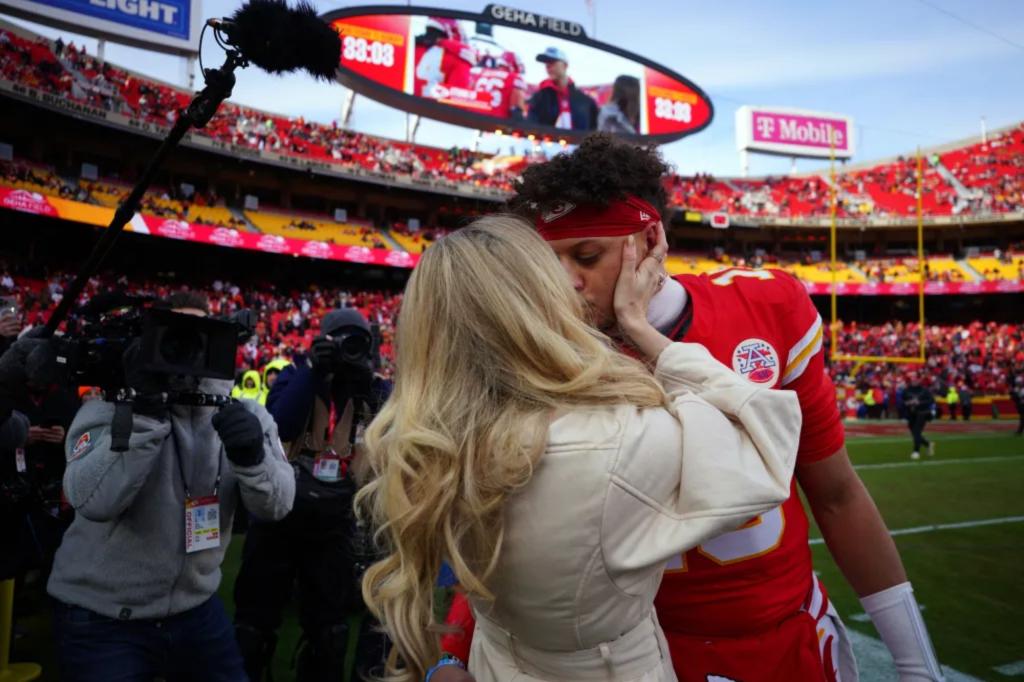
pixel 325 354
pixel 242 434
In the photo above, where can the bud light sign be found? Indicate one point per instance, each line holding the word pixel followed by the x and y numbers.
pixel 166 25
pixel 794 132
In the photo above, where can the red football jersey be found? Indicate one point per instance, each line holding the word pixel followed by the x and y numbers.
pixel 762 324
pixel 457 62
pixel 499 84
pixel 448 62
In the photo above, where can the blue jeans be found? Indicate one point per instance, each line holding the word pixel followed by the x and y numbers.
pixel 198 644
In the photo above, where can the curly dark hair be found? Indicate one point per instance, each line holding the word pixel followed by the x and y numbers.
pixel 602 169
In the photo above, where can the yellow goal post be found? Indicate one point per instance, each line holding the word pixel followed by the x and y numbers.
pixel 835 355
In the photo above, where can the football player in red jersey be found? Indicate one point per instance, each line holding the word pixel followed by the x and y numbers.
pixel 504 84
pixel 746 606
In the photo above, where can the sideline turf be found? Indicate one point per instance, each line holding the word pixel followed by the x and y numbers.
pixel 969 580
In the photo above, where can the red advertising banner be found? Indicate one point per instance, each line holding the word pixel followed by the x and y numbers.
pixel 27 202
pixel 38 204
pixel 273 243
pixel 376 46
pixel 1001 286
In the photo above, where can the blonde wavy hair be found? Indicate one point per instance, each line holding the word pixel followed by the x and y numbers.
pixel 491 344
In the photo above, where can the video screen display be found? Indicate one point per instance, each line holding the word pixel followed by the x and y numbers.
pixel 483 74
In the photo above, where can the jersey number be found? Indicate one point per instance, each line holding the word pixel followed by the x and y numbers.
pixel 726 278
pixel 494 87
pixel 755 538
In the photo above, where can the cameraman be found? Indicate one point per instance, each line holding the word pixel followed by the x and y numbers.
pixel 320 403
pixel 136 576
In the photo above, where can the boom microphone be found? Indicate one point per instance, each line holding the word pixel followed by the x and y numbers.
pixel 266 33
pixel 280 39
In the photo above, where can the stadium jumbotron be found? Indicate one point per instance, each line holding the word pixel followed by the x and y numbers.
pixel 900 222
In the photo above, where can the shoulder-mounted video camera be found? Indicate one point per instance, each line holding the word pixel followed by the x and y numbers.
pixel 169 344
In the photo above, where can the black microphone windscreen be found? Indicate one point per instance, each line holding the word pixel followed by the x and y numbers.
pixel 280 39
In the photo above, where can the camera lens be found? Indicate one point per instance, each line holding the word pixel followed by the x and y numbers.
pixel 355 347
pixel 181 346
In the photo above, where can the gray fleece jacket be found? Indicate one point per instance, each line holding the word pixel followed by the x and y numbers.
pixel 124 554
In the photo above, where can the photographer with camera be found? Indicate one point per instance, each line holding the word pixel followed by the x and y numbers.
pixel 35 412
pixel 320 403
pixel 155 489
pixel 15 493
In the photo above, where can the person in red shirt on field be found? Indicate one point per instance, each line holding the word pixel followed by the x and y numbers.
pixel 746 606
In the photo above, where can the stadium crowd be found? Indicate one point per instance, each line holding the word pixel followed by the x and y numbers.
pixel 67 70
pixel 991 173
pixel 975 359
pixel 20 174
pixel 995 167
pixel 184 202
pixel 982 356
pixel 286 321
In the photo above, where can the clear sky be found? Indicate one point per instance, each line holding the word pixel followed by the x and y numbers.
pixel 910 72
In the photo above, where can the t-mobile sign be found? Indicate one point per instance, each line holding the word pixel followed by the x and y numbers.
pixel 794 132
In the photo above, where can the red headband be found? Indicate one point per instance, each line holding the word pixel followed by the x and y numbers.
pixel 566 220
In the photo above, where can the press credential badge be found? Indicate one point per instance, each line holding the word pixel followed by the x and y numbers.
pixel 202 523
pixel 327 466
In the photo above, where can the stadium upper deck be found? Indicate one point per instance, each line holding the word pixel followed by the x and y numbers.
pixel 974 180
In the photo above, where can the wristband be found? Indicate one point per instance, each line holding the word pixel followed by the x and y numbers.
pixel 897 617
pixel 445 661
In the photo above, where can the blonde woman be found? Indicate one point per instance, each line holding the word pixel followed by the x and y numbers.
pixel 554 474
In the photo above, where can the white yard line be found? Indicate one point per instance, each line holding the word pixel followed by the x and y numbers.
pixel 937 436
pixel 1015 669
pixel 937 462
pixel 943 526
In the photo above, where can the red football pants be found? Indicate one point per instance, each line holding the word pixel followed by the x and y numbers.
pixel 787 653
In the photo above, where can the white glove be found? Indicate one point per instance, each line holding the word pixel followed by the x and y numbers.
pixel 897 617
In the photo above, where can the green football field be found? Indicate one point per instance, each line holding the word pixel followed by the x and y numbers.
pixel 959 525
pixel 958 519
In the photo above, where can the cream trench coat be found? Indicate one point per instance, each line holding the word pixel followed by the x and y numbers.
pixel 616 494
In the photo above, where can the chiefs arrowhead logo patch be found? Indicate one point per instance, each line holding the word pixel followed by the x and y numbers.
pixel 557 210
pixel 82 445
